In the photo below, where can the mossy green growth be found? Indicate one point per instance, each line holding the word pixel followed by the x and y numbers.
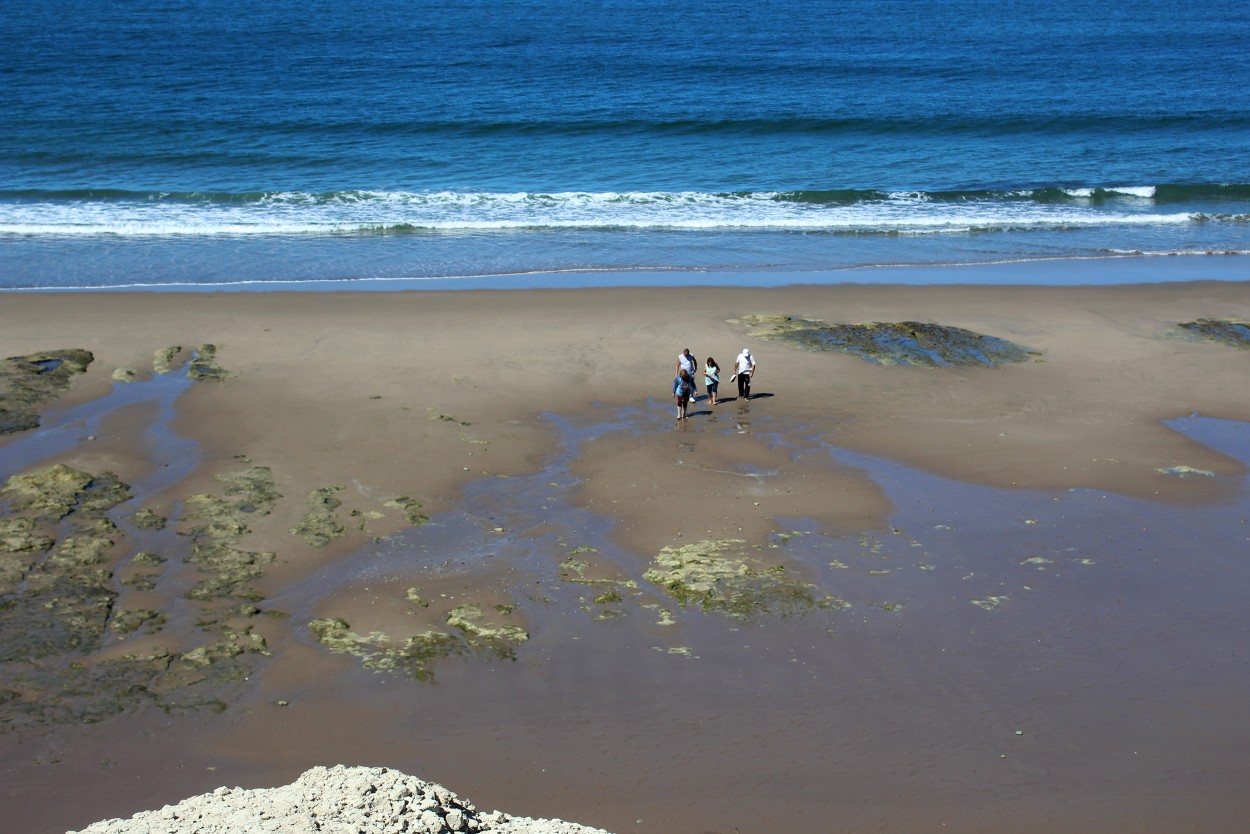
pixel 146 519
pixel 411 508
pixel 205 368
pixel 414 657
pixel 163 358
pixel 493 639
pixel 892 343
pixel 27 382
pixel 321 525
pixel 472 635
pixel 991 602
pixel 129 620
pixel 56 591
pixel 227 569
pixel 1221 331
pixel 720 577
pixel 57 603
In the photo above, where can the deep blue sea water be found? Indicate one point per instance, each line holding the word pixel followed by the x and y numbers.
pixel 210 142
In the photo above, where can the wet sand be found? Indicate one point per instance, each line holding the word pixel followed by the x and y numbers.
pixel 1016 620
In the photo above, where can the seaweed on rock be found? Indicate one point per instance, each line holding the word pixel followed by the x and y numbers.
pixel 721 577
pixel 27 382
pixel 1221 331
pixel 892 343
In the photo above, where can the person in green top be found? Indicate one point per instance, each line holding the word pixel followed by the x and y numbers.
pixel 711 379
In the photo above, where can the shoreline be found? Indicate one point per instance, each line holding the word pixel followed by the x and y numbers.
pixel 1077 270
pixel 514 454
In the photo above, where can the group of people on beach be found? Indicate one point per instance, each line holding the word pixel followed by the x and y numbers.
pixel 685 388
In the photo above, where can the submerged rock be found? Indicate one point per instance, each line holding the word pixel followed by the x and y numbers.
pixel 27 382
pixel 1222 331
pixel 892 343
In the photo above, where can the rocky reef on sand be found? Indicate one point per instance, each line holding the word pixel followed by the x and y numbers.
pixel 61 609
pixel 1221 331
pixel 891 343
pixel 27 382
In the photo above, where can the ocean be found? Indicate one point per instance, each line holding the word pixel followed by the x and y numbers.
pixel 231 144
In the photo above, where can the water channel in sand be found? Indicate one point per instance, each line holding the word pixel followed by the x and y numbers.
pixel 990 660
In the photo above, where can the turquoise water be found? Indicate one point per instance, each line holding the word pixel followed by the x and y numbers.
pixel 167 142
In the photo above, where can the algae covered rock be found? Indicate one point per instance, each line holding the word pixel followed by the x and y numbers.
pixel 1221 331
pixel 473 633
pixel 27 382
pixel 146 519
pixel 411 508
pixel 320 525
pixel 892 343
pixel 227 570
pixel 205 368
pixel 61 611
pixel 722 577
pixel 56 591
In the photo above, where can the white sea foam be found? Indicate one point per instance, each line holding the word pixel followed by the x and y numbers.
pixel 356 212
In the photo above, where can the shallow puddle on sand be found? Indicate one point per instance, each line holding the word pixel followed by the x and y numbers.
pixel 1074 660
pixel 1010 661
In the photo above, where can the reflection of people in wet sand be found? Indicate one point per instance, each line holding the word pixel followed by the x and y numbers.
pixel 744 370
pixel 687 363
pixel 683 389
pixel 711 379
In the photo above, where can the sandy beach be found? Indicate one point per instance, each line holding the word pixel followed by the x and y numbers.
pixel 985 598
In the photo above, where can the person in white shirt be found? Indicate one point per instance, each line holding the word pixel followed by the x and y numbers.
pixel 745 369
pixel 687 363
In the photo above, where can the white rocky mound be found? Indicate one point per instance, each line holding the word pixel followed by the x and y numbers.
pixel 335 800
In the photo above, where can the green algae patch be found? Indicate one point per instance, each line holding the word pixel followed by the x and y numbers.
pixel 205 368
pixel 228 571
pixel 87 692
pixel 1221 331
pixel 56 591
pixel 146 519
pixel 485 635
pixel 321 525
pixel 27 382
pixel 165 360
pixel 59 607
pixel 411 509
pixel 990 603
pixel 130 620
pixel 472 632
pixel 125 375
pixel 605 580
pixel 720 577
pixel 891 343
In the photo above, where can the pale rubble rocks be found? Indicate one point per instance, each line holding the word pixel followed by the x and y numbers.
pixel 333 800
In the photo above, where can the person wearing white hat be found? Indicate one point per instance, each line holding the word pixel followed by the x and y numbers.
pixel 744 370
